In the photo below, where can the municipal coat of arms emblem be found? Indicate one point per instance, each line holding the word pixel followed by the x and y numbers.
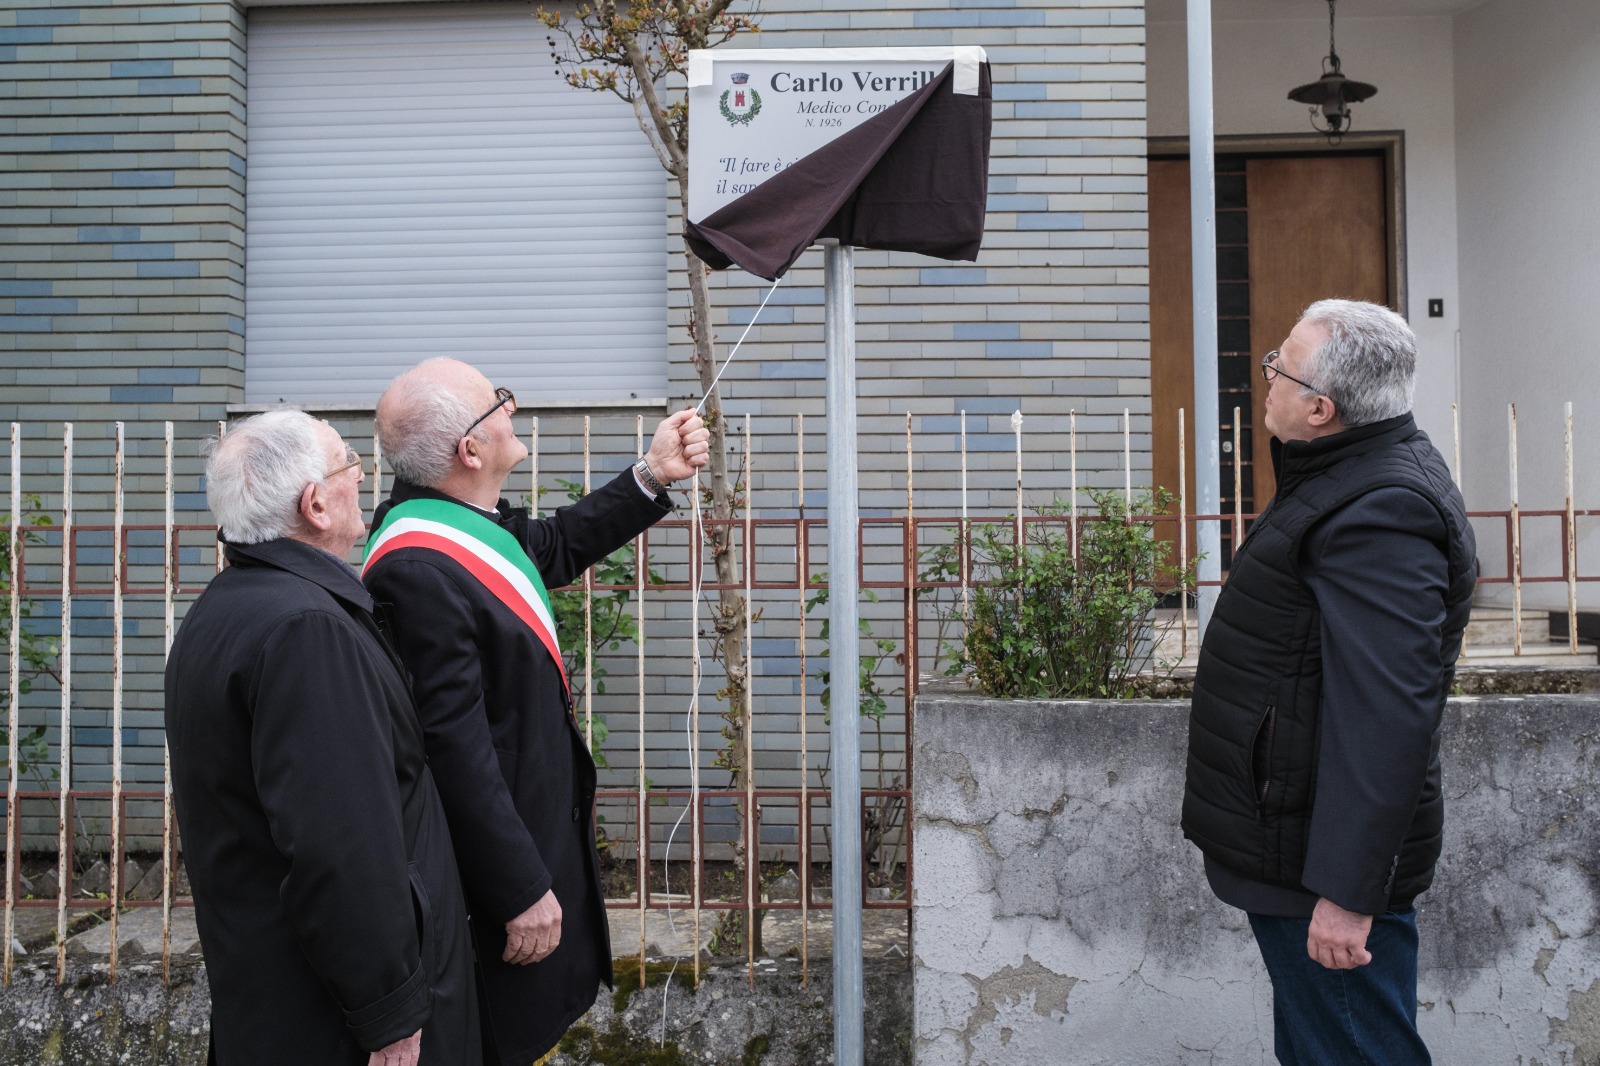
pixel 740 102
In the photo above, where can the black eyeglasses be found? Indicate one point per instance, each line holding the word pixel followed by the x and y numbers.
pixel 502 397
pixel 351 458
pixel 1270 370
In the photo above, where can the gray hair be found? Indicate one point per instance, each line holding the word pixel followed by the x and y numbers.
pixel 1368 364
pixel 256 472
pixel 419 425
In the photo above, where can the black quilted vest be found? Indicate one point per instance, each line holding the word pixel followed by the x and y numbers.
pixel 1253 725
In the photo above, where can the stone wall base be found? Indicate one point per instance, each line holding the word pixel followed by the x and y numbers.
pixel 725 1021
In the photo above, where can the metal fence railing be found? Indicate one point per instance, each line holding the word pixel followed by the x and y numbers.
pixel 71 804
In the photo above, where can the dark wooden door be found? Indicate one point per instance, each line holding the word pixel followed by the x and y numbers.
pixel 1171 321
pixel 1317 230
pixel 1291 229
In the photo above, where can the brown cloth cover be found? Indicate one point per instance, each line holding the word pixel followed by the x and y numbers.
pixel 913 178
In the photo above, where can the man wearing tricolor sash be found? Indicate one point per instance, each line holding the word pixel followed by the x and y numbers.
pixel 467 578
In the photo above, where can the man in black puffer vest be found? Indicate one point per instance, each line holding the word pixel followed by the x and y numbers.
pixel 1313 771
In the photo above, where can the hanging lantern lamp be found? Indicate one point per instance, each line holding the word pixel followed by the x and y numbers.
pixel 1331 95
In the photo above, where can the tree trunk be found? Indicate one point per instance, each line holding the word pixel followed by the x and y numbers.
pixel 729 616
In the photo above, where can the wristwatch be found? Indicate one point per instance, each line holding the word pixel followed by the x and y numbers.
pixel 647 477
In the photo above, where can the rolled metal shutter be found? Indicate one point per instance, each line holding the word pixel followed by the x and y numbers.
pixel 422 183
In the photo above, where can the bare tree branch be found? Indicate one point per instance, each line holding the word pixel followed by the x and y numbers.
pixel 628 51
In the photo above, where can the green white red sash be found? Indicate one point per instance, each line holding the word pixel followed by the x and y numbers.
pixel 487 552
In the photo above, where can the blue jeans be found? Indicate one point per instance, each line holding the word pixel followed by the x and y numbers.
pixel 1361 1017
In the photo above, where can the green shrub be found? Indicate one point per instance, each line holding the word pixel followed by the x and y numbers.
pixel 37 658
pixel 1048 625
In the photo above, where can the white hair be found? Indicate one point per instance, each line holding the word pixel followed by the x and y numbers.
pixel 257 471
pixel 420 422
pixel 1368 364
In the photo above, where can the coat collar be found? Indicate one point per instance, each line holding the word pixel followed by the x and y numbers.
pixel 1294 461
pixel 304 561
pixel 406 490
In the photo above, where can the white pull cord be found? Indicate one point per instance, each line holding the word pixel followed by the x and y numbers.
pixel 688 727
pixel 700 407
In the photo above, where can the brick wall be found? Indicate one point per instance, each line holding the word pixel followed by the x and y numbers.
pixel 1052 318
pixel 122 298
pixel 121 291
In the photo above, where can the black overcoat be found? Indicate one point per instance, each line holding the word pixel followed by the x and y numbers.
pixel 326 893
pixel 516 777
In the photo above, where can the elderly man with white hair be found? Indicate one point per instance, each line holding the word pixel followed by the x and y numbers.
pixel 468 577
pixel 326 893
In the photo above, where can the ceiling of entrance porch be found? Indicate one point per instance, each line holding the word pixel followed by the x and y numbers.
pixel 1317 10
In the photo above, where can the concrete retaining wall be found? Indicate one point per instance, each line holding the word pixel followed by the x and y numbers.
pixel 1061 918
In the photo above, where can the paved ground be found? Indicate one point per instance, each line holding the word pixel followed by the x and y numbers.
pixel 667 933
pixel 138 933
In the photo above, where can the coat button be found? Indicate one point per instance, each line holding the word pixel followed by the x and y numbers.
pixel 574 814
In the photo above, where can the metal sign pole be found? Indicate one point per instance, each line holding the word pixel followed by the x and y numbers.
pixel 1203 237
pixel 844 652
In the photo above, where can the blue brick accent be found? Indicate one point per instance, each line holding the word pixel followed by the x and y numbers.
pixel 1056 220
pixel 60 17
pixel 107 234
pixel 1019 91
pixel 942 424
pixel 187 269
pixel 162 375
pixel 987 405
pixel 1050 109
pixel 1019 349
pixel 143 179
pixel 141 251
pixel 24 324
pixel 190 501
pixel 92 607
pixel 743 316
pixel 142 68
pixel 26 288
pixel 793 369
pixel 1002 183
pixel 953 275
pixel 945 19
pixel 766 647
pixel 47 305
pixel 8 53
pixel 26 35
pixel 236 324
pixel 141 394
pixel 988 331
pixel 236 164
pixel 1023 202
pixel 989 442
